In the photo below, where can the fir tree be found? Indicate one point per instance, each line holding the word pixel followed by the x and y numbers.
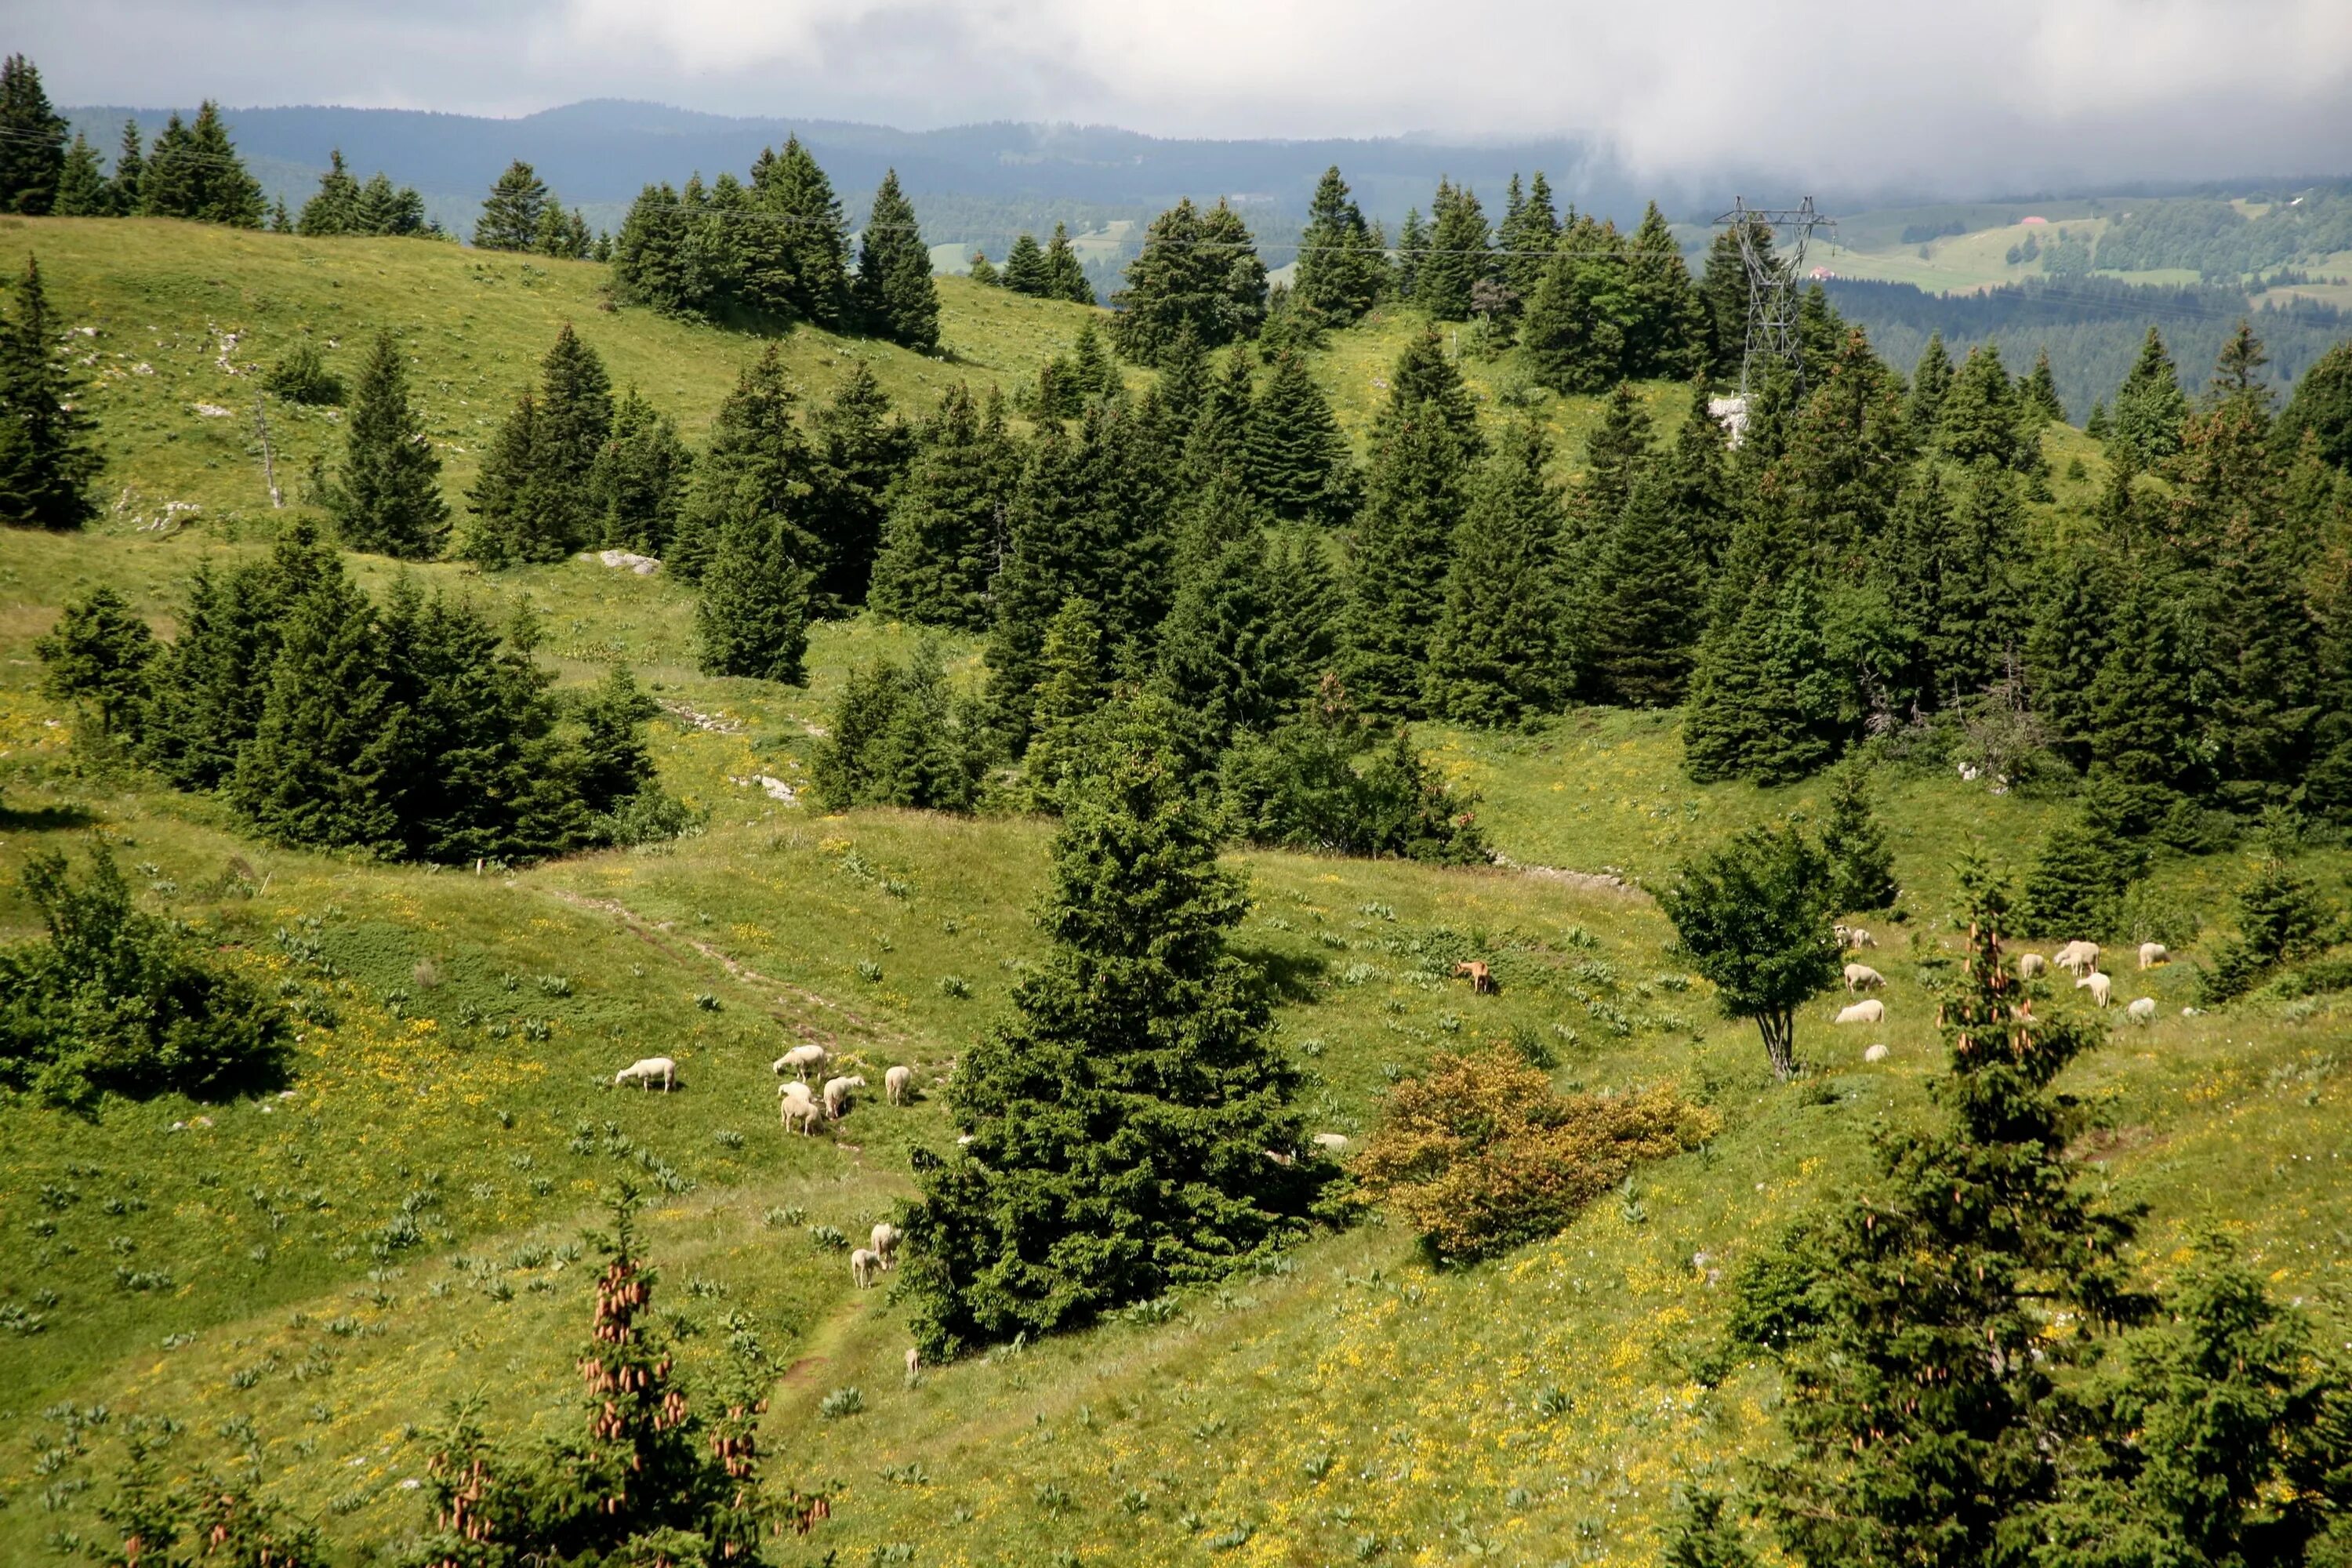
pixel 1667 331
pixel 122 197
pixel 1215 649
pixel 1458 255
pixel 894 291
pixel 194 172
pixel 513 210
pixel 756 467
pixel 638 485
pixel 1617 455
pixel 1305 613
pixel 387 494
pixel 1861 866
pixel 2238 369
pixel 1218 440
pixel 1572 339
pixel 945 527
pixel 1981 417
pixel 1846 454
pixel 1183 378
pixel 2149 406
pixel 334 208
pixel 211 681
pixel 82 183
pixel 32 142
pixel 1930 381
pixel 1724 289
pixel 1073 684
pixel 2075 888
pixel 1422 377
pixel 2065 643
pixel 983 271
pixel 47 459
pixel 1197 269
pixel 1298 458
pixel 1496 656
pixel 1692 475
pixel 99 654
pixel 1065 277
pixel 1416 490
pixel 753 618
pixel 656 260
pixel 1413 246
pixel 1024 267
pixel 2322 406
pixel 895 740
pixel 1648 602
pixel 859 451
pixel 314 772
pixel 2149 712
pixel 1119 1120
pixel 575 419
pixel 802 264
pixel 1341 274
pixel 504 497
pixel 2040 394
pixel 1800 723
pixel 1528 234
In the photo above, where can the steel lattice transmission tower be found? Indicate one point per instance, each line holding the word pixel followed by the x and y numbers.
pixel 1772 275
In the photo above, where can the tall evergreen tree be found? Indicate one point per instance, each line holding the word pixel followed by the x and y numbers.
pixel 1024 267
pixel 100 655
pixel 1616 455
pixel 2065 643
pixel 859 449
pixel 386 495
pixel 335 207
pixel 32 141
pixel 505 494
pixel 1929 381
pixel 1341 274
pixel 1724 289
pixel 1459 253
pixel 2149 711
pixel 1073 684
pixel 1064 274
pixel 945 529
pixel 1413 246
pixel 82 183
pixel 1496 656
pixel 1197 269
pixel 1573 337
pixel 2038 395
pixel 1527 236
pixel 753 618
pixel 194 172
pixel 895 740
pixel 1647 602
pixel 1861 866
pixel 1306 614
pixel 757 466
pixel 575 419
pixel 1425 377
pixel 1119 1120
pixel 512 212
pixel 801 268
pixel 1981 417
pixel 2149 406
pixel 212 679
pixel 2322 406
pixel 314 772
pixel 1216 650
pixel 895 292
pixel 122 193
pixel 47 459
pixel 1667 331
pixel 1416 490
pixel 637 485
pixel 1296 457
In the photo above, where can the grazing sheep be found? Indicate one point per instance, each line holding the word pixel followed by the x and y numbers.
pixel 1331 1143
pixel 646 1070
pixel 798 1107
pixel 2152 954
pixel 1872 1011
pixel 1875 1054
pixel 1863 938
pixel 2099 985
pixel 1862 977
pixel 1278 1157
pixel 836 1094
pixel 2031 965
pixel 914 1363
pixel 2142 1011
pixel 862 1266
pixel 2078 958
pixel 803 1060
pixel 896 1082
pixel 885 1242
pixel 1482 979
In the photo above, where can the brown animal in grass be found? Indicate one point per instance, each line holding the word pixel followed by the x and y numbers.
pixel 1482 979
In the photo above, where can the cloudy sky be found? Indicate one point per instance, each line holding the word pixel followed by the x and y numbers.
pixel 1952 93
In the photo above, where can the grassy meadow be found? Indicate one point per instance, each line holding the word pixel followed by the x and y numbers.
pixel 309 1279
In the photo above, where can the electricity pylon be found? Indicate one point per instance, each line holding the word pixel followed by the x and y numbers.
pixel 1772 325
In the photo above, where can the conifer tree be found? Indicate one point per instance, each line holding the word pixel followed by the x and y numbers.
pixel 512 212
pixel 1496 656
pixel 1215 651
pixel 212 679
pixel 1861 866
pixel 194 172
pixel 638 485
pixel 1416 490
pixel 940 541
pixel 2040 394
pixel 1648 602
pixel 859 449
pixel 753 618
pixel 1119 1120
pixel 1183 378
pixel 1457 257
pixel 983 271
pixel 505 494
pixel 1413 246
pixel 2149 720
pixel 1980 415
pixel 130 169
pixel 32 142
pixel 1528 234
pixel 2237 369
pixel 48 461
pixel 1692 474
pixel 895 292
pixel 335 207
pixel 1573 337
pixel 1723 286
pixel 2322 406
pixel 1930 381
pixel 1197 269
pixel 895 740
pixel 575 419
pixel 2149 406
pixel 1218 437
pixel 2066 642
pixel 1667 332
pixel 386 495
pixel 1341 274
pixel 314 772
pixel 1064 274
pixel 1978 593
pixel 756 467
pixel 1422 377
pixel 801 268
pixel 100 655
pixel 82 183
pixel 1298 458
pixel 1024 267
pixel 1305 615
pixel 1616 455
pixel 2074 889
pixel 1073 684
pixel 656 260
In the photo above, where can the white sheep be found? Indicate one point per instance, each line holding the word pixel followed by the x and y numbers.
pixel 803 1060
pixel 1857 937
pixel 797 1106
pixel 1872 1011
pixel 1877 1053
pixel 836 1094
pixel 2098 985
pixel 2077 958
pixel 914 1363
pixel 2032 964
pixel 1862 977
pixel 646 1070
pixel 897 1081
pixel 1331 1143
pixel 2142 1011
pixel 2152 954
pixel 863 1263
pixel 885 1242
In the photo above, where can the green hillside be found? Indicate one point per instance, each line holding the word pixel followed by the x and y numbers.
pixel 309 1279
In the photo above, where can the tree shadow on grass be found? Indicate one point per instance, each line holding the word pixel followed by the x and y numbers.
pixel 1285 976
pixel 44 819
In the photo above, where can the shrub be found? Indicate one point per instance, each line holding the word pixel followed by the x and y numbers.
pixel 1480 1153
pixel 301 375
pixel 1326 781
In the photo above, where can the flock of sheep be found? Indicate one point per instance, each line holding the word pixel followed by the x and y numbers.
pixel 2079 959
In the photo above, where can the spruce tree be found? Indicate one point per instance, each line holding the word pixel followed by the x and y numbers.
pixel 1647 602
pixel 753 618
pixel 1847 452
pixel 32 142
pixel 2322 406
pixel 334 208
pixel 1215 652
pixel 1024 267
pixel 1696 481
pixel 941 540
pixel 800 262
pixel 1458 256
pixel 1412 246
pixel 1073 684
pixel 2075 888
pixel 1572 340
pixel 82 183
pixel 1667 332
pixel 122 196
pixel 2040 393
pixel 386 495
pixel 1861 866
pixel 504 498
pixel 512 212
pixel 1341 274
pixel 656 260
pixel 2149 406
pixel 194 172
pixel 48 461
pixel 1528 234
pixel 1065 276
pixel 1306 615
pixel 894 294
pixel 1217 440
pixel 1930 381
pixel 100 655
pixel 575 419
pixel 1799 722
pixel 2150 742
pixel 314 772
pixel 1496 656
pixel 1425 377
pixel 894 740
pixel 1981 418
pixel 212 679
pixel 983 271
pixel 1118 1121
pixel 859 451
pixel 757 466
pixel 1197 269
pixel 2065 643
pixel 1723 286
pixel 1297 457
pixel 637 485
pixel 1617 455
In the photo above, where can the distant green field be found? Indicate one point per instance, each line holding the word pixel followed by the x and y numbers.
pixel 250 1279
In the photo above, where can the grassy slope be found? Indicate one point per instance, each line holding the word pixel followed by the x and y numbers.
pixel 1144 1443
